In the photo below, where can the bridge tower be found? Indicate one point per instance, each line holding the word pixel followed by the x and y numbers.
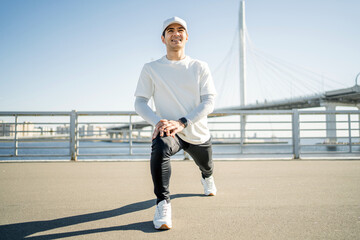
pixel 242 53
pixel 242 62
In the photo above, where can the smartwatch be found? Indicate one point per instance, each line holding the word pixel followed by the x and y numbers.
pixel 184 121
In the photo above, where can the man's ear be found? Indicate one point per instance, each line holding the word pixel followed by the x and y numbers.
pixel 163 39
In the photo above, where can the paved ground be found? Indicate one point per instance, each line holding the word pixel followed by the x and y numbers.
pixel 114 200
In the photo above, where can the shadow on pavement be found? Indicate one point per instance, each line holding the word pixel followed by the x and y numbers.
pixel 22 230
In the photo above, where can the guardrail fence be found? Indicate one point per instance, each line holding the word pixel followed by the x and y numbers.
pixel 124 135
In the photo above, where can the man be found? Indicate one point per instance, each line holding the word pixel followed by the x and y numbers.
pixel 183 92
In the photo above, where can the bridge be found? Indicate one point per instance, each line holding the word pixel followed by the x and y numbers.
pixel 272 75
pixel 329 100
pixel 341 97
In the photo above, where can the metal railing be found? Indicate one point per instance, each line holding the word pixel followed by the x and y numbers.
pixel 235 134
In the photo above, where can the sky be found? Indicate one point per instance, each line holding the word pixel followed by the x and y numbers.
pixel 86 55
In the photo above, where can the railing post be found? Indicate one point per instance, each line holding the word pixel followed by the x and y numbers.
pixel 73 134
pixel 350 142
pixel 295 133
pixel 358 106
pixel 130 136
pixel 242 131
pixel 15 137
pixel 4 125
pixel 77 134
pixel 330 123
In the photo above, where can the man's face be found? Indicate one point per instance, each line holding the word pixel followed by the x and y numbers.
pixel 175 37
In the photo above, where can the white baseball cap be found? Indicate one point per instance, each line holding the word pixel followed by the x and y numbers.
pixel 172 20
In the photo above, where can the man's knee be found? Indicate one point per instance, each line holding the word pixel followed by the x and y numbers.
pixel 161 145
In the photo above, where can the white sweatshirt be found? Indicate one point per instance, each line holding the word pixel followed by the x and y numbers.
pixel 177 88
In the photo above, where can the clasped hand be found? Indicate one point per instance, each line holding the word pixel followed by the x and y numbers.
pixel 168 127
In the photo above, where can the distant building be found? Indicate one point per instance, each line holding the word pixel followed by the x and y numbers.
pixel 86 130
pixel 91 130
pixel 100 130
pixel 63 129
pixel 5 129
pixel 45 130
pixel 28 129
pixel 23 129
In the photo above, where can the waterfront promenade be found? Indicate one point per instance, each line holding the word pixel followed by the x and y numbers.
pixel 114 200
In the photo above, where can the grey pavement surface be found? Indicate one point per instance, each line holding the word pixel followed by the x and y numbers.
pixel 114 200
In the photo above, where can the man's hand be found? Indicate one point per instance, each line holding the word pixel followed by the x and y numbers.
pixel 174 127
pixel 159 128
pixel 169 127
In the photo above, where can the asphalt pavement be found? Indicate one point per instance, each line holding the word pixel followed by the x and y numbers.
pixel 114 200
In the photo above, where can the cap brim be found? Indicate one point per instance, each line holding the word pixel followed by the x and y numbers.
pixel 173 23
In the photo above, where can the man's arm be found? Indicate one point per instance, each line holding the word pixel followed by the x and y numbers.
pixel 205 107
pixel 172 127
pixel 143 109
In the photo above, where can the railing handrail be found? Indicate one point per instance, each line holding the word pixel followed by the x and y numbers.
pixel 215 113
pixel 31 113
pixel 134 132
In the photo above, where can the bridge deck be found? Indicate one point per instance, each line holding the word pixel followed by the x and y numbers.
pixel 114 200
pixel 341 97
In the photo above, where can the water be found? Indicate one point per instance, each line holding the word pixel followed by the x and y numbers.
pixel 142 150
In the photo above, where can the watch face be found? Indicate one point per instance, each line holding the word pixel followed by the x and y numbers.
pixel 184 121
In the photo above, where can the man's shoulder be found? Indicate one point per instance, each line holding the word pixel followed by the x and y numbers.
pixel 198 63
pixel 153 63
pixel 162 62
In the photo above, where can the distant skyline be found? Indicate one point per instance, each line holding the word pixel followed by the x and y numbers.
pixel 87 55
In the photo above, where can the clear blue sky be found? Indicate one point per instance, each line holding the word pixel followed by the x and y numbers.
pixel 87 54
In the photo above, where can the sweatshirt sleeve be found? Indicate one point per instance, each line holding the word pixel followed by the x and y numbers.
pixel 142 108
pixel 205 107
pixel 206 81
pixel 145 85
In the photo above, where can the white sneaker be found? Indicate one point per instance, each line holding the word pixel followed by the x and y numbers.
pixel 162 218
pixel 209 186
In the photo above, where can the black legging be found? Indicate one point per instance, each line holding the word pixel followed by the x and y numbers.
pixel 163 148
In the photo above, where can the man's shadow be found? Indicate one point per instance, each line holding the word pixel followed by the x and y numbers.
pixel 22 230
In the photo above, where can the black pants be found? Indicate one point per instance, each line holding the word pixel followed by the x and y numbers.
pixel 163 148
